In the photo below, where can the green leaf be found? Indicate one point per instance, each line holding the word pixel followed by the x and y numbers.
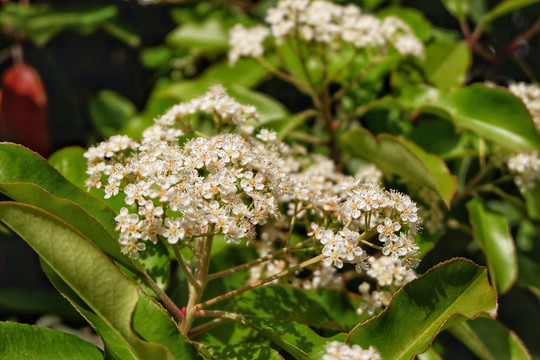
pixel 447 63
pixel 414 18
pixel 444 296
pixel 282 303
pixel 21 341
pixel 242 352
pixel 532 201
pixel 40 23
pixel 156 262
pixel 492 233
pixel 398 156
pixel 71 213
pixel 110 112
pixel 490 340
pixel 114 345
pixel 528 272
pixel 269 109
pixel 297 339
pixel 93 277
pixel 245 72
pixel 430 354
pixel 506 6
pixel 21 165
pixel 208 36
pixel 484 110
pixel 71 163
pixel 122 31
pixel 154 57
pixel 459 8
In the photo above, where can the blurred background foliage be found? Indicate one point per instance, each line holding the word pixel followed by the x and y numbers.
pixel 110 67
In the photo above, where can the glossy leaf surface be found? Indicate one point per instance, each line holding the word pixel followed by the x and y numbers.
pixel 490 340
pixel 442 297
pixel 492 113
pixel 492 232
pixel 396 156
pixel 86 270
pixel 18 164
pixel 21 341
pixel 446 63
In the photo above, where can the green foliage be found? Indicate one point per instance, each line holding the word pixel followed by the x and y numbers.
pixel 110 112
pixel 447 63
pixel 431 132
pixel 492 232
pixel 444 296
pixel 476 108
pixel 397 156
pixel 489 339
pixel 92 276
pixel 20 341
pixel 40 23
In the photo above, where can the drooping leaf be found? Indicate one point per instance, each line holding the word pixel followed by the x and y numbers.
pixel 110 112
pixel 505 7
pixel 492 233
pixel 404 158
pixel 492 113
pixel 490 340
pixel 91 275
pixel 21 341
pixel 444 296
pixel 446 63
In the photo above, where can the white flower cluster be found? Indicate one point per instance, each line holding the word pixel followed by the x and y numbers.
pixel 215 103
pixel 527 169
pixel 389 275
pixel 369 173
pixel 325 22
pixel 367 208
pixel 246 42
pixel 183 192
pixel 230 184
pixel 530 95
pixel 336 350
